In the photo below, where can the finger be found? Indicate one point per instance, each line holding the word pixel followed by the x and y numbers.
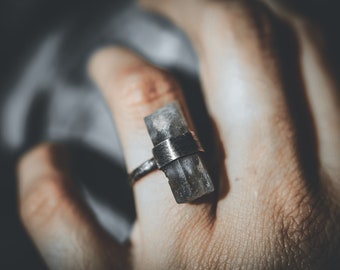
pixel 186 13
pixel 243 80
pixel 324 98
pixel 61 226
pixel 133 90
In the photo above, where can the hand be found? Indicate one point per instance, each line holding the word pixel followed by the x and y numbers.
pixel 277 116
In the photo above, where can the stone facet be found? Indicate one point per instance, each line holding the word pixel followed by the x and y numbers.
pixel 188 176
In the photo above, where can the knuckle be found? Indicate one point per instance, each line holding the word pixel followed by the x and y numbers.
pixel 145 87
pixel 42 202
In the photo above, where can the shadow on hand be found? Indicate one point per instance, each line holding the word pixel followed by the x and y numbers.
pixel 105 188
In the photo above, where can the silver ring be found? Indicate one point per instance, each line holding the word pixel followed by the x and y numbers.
pixel 178 153
pixel 142 170
pixel 165 153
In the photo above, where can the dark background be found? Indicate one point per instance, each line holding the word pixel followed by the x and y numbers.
pixel 45 95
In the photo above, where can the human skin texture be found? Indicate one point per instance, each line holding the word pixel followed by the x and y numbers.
pixel 275 109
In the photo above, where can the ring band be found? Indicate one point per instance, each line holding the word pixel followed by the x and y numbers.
pixel 177 152
pixel 142 170
pixel 171 149
pixel 166 152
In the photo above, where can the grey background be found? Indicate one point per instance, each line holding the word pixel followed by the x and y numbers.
pixel 47 96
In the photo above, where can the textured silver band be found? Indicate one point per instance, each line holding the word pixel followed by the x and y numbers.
pixel 174 148
pixel 142 170
pixel 166 152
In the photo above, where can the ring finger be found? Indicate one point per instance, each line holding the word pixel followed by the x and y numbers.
pixel 133 90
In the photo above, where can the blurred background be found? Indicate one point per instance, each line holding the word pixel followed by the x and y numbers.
pixel 46 95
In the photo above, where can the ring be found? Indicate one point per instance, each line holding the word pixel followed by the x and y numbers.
pixel 166 152
pixel 143 169
pixel 178 153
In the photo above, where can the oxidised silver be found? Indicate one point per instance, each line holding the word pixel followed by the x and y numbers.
pixel 165 153
pixel 177 152
pixel 142 170
pixel 171 149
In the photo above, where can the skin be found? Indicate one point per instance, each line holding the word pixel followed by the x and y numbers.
pixel 277 204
